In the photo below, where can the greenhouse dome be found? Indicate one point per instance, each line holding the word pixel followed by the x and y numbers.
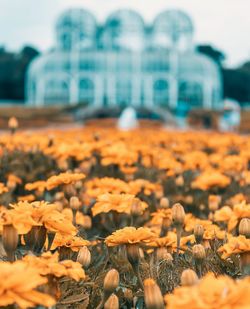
pixel 111 65
pixel 76 28
pixel 173 29
pixel 124 29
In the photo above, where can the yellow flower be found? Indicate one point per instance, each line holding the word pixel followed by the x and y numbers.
pixel 99 186
pixel 14 289
pixel 120 203
pixel 130 235
pixel 48 264
pixel 211 292
pixel 72 242
pixel 63 179
pixel 209 179
pixel 235 245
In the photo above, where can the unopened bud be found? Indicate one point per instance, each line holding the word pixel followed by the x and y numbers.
pixel 198 233
pixel 74 203
pixel 164 202
pixel 84 257
pixel 214 202
pixel 136 209
pixel 111 281
pixel 86 222
pixel 152 295
pixel 161 254
pixel 179 181
pixel 199 252
pixel 244 227
pixel 112 302
pixel 178 214
pixel 189 277
pixel 10 240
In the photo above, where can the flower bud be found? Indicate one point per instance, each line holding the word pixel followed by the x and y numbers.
pixel 10 240
pixel 84 257
pixel 178 214
pixel 112 302
pixel 161 254
pixel 152 295
pixel 136 209
pixel 214 202
pixel 74 203
pixel 244 227
pixel 86 222
pixel 111 281
pixel 189 277
pixel 164 202
pixel 133 254
pixel 199 252
pixel 179 181
pixel 198 233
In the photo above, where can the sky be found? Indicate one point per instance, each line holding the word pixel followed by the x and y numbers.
pixel 225 24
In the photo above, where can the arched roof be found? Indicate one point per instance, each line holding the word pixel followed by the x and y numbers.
pixel 175 24
pixel 76 26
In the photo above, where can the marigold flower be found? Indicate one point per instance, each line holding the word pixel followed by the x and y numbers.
pixel 209 179
pixel 120 203
pixel 98 186
pixel 130 235
pixel 235 245
pixel 39 186
pixel 217 293
pixel 3 189
pixel 63 179
pixel 73 242
pixel 15 290
pixel 49 264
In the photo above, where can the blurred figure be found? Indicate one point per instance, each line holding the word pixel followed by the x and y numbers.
pixel 128 119
pixel 231 116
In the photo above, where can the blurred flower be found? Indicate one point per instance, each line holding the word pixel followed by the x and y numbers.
pixel 130 235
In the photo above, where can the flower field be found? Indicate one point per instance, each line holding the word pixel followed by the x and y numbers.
pixel 95 217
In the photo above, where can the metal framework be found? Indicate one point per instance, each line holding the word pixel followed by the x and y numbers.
pixel 124 63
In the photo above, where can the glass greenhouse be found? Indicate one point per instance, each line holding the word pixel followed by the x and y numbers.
pixel 124 62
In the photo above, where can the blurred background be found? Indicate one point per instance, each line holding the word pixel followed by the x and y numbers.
pixel 181 62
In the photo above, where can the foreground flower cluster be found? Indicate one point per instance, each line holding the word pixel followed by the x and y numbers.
pixel 98 218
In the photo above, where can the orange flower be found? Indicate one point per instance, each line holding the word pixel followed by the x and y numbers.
pixel 160 215
pixel 73 242
pixel 63 179
pixel 235 245
pixel 130 235
pixel 120 203
pixel 24 215
pixel 167 241
pixel 209 179
pixel 232 216
pixel 15 290
pixel 191 221
pixel 99 186
pixel 48 264
pixel 40 186
pixel 27 198
pixel 211 292
pixel 145 186
pixel 3 189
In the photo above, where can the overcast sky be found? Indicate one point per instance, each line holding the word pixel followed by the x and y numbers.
pixel 222 23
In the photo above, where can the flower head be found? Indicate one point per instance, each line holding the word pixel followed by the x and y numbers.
pixel 130 235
